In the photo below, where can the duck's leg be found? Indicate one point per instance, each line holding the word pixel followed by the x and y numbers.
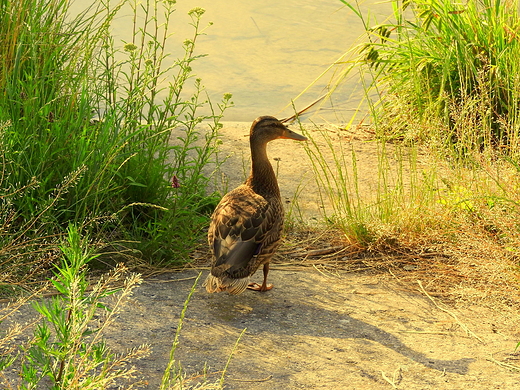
pixel 264 287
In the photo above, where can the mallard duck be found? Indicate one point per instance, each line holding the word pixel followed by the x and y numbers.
pixel 246 225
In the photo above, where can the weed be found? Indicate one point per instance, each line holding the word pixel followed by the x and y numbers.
pixel 131 175
pixel 66 350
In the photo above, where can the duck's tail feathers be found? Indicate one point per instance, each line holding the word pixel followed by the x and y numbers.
pixel 232 286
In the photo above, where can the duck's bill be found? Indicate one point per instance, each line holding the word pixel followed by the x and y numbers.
pixel 289 134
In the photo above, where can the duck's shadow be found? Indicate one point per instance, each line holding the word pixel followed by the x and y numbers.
pixel 279 312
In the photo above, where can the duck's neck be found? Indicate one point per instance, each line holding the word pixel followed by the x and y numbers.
pixel 262 178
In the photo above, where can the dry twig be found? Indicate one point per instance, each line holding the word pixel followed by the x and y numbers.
pixel 461 324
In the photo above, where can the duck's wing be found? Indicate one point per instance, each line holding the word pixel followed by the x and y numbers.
pixel 245 228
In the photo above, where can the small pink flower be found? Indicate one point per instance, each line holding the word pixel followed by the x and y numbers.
pixel 175 182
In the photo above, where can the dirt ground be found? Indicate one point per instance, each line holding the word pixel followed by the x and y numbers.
pixel 319 331
pixel 318 328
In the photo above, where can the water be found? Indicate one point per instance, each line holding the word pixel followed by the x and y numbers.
pixel 267 52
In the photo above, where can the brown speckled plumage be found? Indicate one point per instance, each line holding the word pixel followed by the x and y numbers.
pixel 246 225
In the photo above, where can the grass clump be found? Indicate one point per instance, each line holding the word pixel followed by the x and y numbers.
pixel 446 72
pixel 101 134
pixel 378 200
pixel 441 74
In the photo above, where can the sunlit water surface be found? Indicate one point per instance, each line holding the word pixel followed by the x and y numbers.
pixel 267 52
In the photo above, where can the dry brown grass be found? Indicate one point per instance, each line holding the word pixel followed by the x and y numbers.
pixel 464 265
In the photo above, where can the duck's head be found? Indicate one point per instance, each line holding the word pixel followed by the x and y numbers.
pixel 268 128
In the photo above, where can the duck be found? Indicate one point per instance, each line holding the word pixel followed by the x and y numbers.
pixel 246 226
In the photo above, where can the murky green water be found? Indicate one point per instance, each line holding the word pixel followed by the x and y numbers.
pixel 266 52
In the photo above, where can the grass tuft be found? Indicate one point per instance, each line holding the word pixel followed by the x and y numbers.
pixel 108 136
pixel 445 72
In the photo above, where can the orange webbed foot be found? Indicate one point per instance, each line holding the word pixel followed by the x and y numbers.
pixel 258 287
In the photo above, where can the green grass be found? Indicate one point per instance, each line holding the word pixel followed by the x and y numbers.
pixel 66 348
pixel 445 72
pixel 106 135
